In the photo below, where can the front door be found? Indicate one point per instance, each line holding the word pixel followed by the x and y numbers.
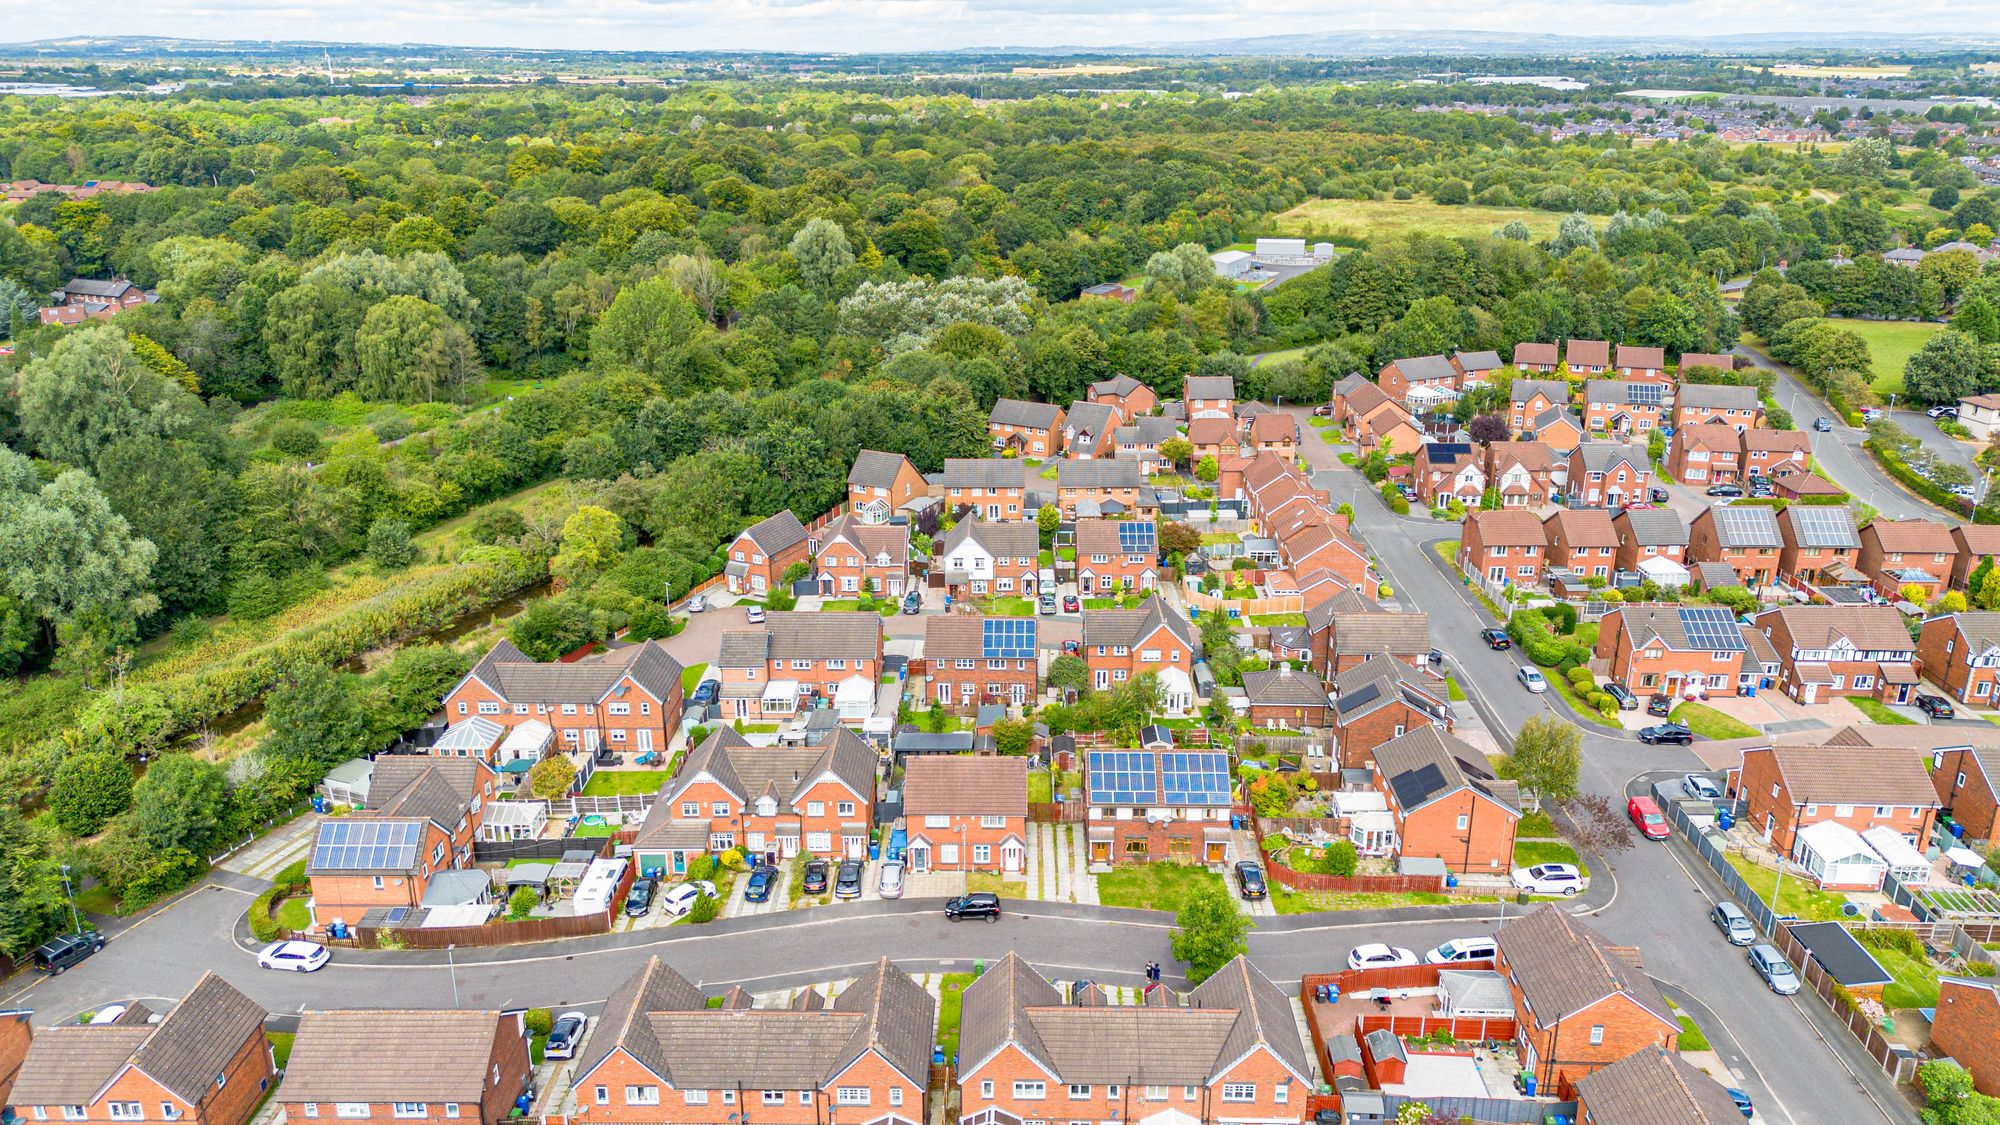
pixel 920 859
pixel 1012 857
pixel 1100 851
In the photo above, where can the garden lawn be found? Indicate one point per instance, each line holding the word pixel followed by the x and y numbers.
pixel 1798 896
pixel 691 676
pixel 951 999
pixel 1691 1037
pixel 1153 886
pixel 1010 607
pixel 1528 853
pixel 281 1046
pixel 1709 723
pixel 1879 712
pixel 1891 343
pixel 621 783
pixel 1377 219
pixel 1268 619
pixel 1039 787
pixel 293 915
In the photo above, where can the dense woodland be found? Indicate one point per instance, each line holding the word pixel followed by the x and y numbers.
pixel 412 356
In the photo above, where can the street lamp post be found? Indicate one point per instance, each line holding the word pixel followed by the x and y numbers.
pixel 451 960
pixel 69 895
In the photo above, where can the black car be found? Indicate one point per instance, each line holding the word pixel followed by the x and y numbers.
pixel 1659 705
pixel 59 953
pixel 912 602
pixel 1659 495
pixel 1823 425
pixel 1626 700
pixel 706 691
pixel 1495 639
pixel 847 881
pixel 978 904
pixel 1250 879
pixel 816 877
pixel 758 887
pixel 1667 733
pixel 1936 706
pixel 1731 490
pixel 640 898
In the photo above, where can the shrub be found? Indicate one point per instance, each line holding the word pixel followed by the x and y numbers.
pixel 701 867
pixel 263 927
pixel 1900 941
pixel 1563 617
pixel 170 870
pixel 1385 591
pixel 1395 500
pixel 1980 968
pixel 703 911
pixel 1579 677
pixel 293 876
pixel 522 902
pixel 1342 858
pixel 538 1021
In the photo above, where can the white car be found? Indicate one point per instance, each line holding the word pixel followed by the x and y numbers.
pixel 890 882
pixel 297 956
pixel 754 614
pixel 1531 678
pixel 1700 788
pixel 1375 955
pixel 1463 949
pixel 697 604
pixel 565 1035
pixel 679 900
pixel 706 888
pixel 1549 879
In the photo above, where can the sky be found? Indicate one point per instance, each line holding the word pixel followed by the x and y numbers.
pixel 925 25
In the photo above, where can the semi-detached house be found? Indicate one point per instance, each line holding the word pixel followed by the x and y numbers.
pixel 851 558
pixel 1446 802
pixel 1746 539
pixel 1817 538
pixel 966 814
pixel 1915 552
pixel 1580 1003
pixel 795 661
pixel 423 815
pixel 390 1065
pixel 971 661
pixel 1583 541
pixel 1653 1086
pixel 1100 487
pixel 1967 779
pixel 1705 454
pixel 1700 404
pixel 996 488
pixel 773 801
pixel 1829 650
pixel 1789 788
pixel 1960 653
pixel 1116 555
pixel 1031 429
pixel 1503 548
pixel 627 699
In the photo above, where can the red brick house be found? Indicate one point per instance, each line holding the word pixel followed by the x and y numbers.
pixel 1116 555
pixel 760 556
pixel 1649 533
pixel 1354 398
pixel 984 557
pixel 1447 803
pixel 1960 653
pixel 387 1065
pixel 1829 650
pixel 206 1062
pixel 1647 364
pixel 1556 428
pixel 1587 357
pixel 1614 407
pixel 1525 472
pixel 1583 541
pixel 796 660
pixel 1746 539
pixel 1654 1084
pixel 1605 474
pixel 1967 779
pixel 1536 358
pixel 1976 542
pixel 1228 1051
pixel 1915 552
pixel 1967 1029
pixel 1775 454
pixel 1119 644
pixel 1215 437
pixel 1209 396
pixel 1503 548
pixel 1280 697
pixel 1788 788
pixel 1420 381
pixel 966 814
pixel 1706 454
pixel 1448 470
pixel 1475 368
pixel 971 660
pixel 1088 428
pixel 996 488
pixel 1580 1003
pixel 879 484
pixel 1529 398
pixel 1273 432
pixel 1322 547
pixel 84 298
pixel 776 801
pixel 423 815
pixel 1380 699
pixel 1389 428
pixel 1672 650
pixel 1691 360
pixel 1722 404
pixel 1350 630
pixel 1091 488
pixel 1816 537
pixel 628 698
pixel 1031 429
pixel 1139 441
pixel 851 558
pixel 659 1055
pixel 16 1033
pixel 1157 803
pixel 1131 398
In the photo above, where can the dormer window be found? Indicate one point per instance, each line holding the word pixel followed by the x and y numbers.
pixel 767 806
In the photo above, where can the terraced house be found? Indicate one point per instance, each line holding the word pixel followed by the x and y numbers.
pixel 1701 404
pixel 1031 429
pixel 628 698
pixel 966 814
pixel 795 661
pixel 984 557
pixel 1114 555
pixel 1227 1052
pixel 660 1056
pixel 972 660
pixel 774 801
pixel 759 557
pixel 994 487
pixel 880 484
pixel 409 1065
pixel 851 558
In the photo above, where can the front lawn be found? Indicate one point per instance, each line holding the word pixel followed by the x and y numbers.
pixel 951 997
pixel 691 677
pixel 1691 1037
pixel 1879 712
pixel 1009 607
pixel 1797 896
pixel 1153 886
pixel 1709 723
pixel 885 607
pixel 1310 902
pixel 293 914
pixel 281 1046
pixel 623 783
pixel 991 882
pixel 1528 853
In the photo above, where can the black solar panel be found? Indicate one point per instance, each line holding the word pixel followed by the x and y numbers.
pixel 1358 698
pixel 1414 787
pixel 1007 638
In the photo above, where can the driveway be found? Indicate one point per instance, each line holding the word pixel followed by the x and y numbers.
pixel 702 639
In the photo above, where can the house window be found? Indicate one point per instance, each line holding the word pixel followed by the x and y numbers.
pixel 1239 1091
pixel 126 1111
pixel 850 1095
pixel 1189 1093
pixel 1078 1093
pixel 992 822
pixel 618 708
pixel 451 1109
pixel 1597 1035
pixel 844 808
pixel 410 1109
pixel 895 1095
pixel 604 1095
pixel 986 1089
pixel 310 1109
pixel 694 1097
pixel 350 1109
pixel 815 808
pixel 774 1097
pixel 489 707
pixel 690 809
pixel 719 808
pixel 1156 1093
pixel 1463 821
pixel 1031 1091
pixel 642 1095
pixel 805 1097
pixel 982 853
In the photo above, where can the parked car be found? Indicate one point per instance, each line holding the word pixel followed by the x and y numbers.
pixel 757 888
pixel 1761 486
pixel 1646 816
pixel 978 904
pixel 1873 414
pixel 1963 491
pixel 1626 700
pixel 1048 604
pixel 679 900
pixel 59 953
pixel 639 900
pixel 1742 1101
pixel 706 692
pixel 1072 604
pixel 1531 678
pixel 1659 495
pixel 1734 924
pixel 1700 788
pixel 1772 966
pixel 816 871
pixel 1323 410
pixel 847 879
pixel 697 604
pixel 1823 425
pixel 1375 955
pixel 912 602
pixel 1250 879
pixel 1072 647
pixel 754 615
pixel 1659 705
pixel 565 1035
pixel 1496 639
pixel 1676 734
pixel 1549 879
pixel 1936 706
pixel 293 956
pixel 1463 949
pixel 1729 490
pixel 1943 411
pixel 890 883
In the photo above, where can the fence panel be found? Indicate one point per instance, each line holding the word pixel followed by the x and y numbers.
pixel 494 933
pixel 501 851
pixel 1465 1030
pixel 1056 812
pixel 1499 1111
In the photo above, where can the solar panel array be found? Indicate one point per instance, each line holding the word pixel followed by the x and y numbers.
pixel 1645 394
pixel 1195 777
pixel 1007 638
pixel 1136 537
pixel 1748 527
pixel 363 845
pixel 1824 527
pixel 1711 627
pixel 1122 777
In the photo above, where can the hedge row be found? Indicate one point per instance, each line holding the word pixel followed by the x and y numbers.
pixel 1531 629
pixel 1914 481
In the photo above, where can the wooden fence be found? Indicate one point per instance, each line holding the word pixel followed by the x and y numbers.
pixel 1896 1064
pixel 1296 880
pixel 492 933
pixel 1465 1030
pixel 1057 812
pixel 1283 745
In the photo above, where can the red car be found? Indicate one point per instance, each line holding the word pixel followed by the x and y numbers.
pixel 1071 604
pixel 1646 816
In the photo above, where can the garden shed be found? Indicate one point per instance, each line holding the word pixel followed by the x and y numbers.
pixel 347 783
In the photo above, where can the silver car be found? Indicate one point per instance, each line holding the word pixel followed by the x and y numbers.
pixel 1772 966
pixel 890 883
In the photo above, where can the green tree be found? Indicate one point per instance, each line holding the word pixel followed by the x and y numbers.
pixel 1176 450
pixel 64 552
pixel 654 328
pixel 173 499
pixel 1069 673
pixel 407 350
pixel 591 539
pixel 822 250
pixel 180 803
pixel 1547 755
pixel 1342 858
pixel 1013 736
pixel 1948 367
pixel 551 778
pixel 389 544
pixel 314 714
pixel 88 789
pixel 91 390
pixel 1208 470
pixel 1048 519
pixel 522 903
pixel 1208 932
pixel 1573 234
pixel 1976 318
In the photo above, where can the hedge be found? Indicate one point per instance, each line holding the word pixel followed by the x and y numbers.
pixel 1914 481
pixel 1396 501
pixel 1530 630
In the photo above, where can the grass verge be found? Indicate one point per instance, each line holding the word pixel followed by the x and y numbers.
pixel 1879 712
pixel 1527 853
pixel 1310 902
pixel 1691 1037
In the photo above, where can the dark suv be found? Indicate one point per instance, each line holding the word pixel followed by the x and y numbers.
pixel 1626 700
pixel 978 904
pixel 1936 706
pixel 758 888
pixel 639 899
pixel 59 953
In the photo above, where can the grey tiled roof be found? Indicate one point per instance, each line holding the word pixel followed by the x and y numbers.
pixel 1282 687
pixel 1656 1087
pixel 420 785
pixel 1717 396
pixel 875 469
pixel 782 773
pixel 1427 369
pixel 817 636
pixel 1211 386
pixel 1117 385
pixel 1001 538
pixel 985 472
pixel 1150 430
pixel 518 679
pixel 1562 966
pixel 1602 456
pixel 623 1023
pixel 379 1055
pixel 1621 392
pixel 1099 473
pixel 1655 527
pixel 1130 626
pixel 1400 634
pixel 1019 412
pixel 778 532
pixel 1097 418
pixel 1427 763
pixel 1478 361
pixel 1555 390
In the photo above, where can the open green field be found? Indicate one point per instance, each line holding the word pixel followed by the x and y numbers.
pixel 1375 219
pixel 1891 343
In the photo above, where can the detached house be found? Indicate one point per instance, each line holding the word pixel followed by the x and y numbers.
pixel 1540 359
pixel 1608 475
pixel 1899 553
pixel 1420 382
pixel 982 557
pixel 1705 454
pixel 1087 430
pixel 973 661
pixel 1528 398
pixel 1120 644
pixel 1582 541
pixel 1611 406
pixel 1648 364
pixel 1745 539
pixel 966 814
pixel 1354 398
pixel 1790 788
pixel 659 1055
pixel 1980 415
pixel 1672 650
pixel 1527 473
pixel 1829 650
pixel 1556 428
pixel 851 558
pixel 1350 634
pixel 879 484
pixel 994 487
pixel 1158 804
pixel 1815 539
pixel 1775 454
pixel 1961 654
pixel 1976 542
pixel 1128 396
pixel 1273 432
pixel 1114 555
pixel 1700 404
pixel 1580 1003
pixel 1446 471
pixel 423 815
pixel 1031 429
pixel 1446 802
pixel 796 661
pixel 760 556
pixel 1380 699
pixel 773 801
pixel 407 1065
pixel 205 1063
pixel 1587 357
pixel 1650 533
pixel 1093 488
pixel 1475 368
pixel 1691 360
pixel 1140 440
pixel 1503 548
pixel 1216 437
pixel 1209 396
pixel 627 699
pixel 1229 1051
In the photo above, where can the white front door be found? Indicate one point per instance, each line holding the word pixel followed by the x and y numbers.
pixel 1012 857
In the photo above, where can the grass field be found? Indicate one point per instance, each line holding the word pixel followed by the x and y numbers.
pixel 1284 356
pixel 1153 886
pixel 1891 343
pixel 1802 70
pixel 1391 218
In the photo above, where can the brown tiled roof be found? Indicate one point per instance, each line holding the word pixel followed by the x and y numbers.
pixel 1583 527
pixel 1270 427
pixel 1526 353
pixel 783 773
pixel 962 636
pixel 1981 630
pixel 1282 687
pixel 1366 398
pixel 1977 538
pixel 1563 966
pixel 1655 1087
pixel 1852 776
pixel 1875 627
pixel 1212 431
pixel 379 1055
pixel 874 540
pixel 1707 359
pixel 1775 441
pixel 1508 528
pixel 1917 536
pixel 1711 436
pixel 1399 634
pixel 942 784
pixel 1100 537
pixel 1632 356
pixel 654 988
pixel 1588 353
pixel 184 1052
pixel 1534 456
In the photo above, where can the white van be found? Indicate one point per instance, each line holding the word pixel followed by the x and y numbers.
pixel 1458 950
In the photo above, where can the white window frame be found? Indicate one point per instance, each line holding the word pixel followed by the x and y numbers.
pixel 1026 1090
pixel 409 1109
pixel 852 1095
pixel 1239 1091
